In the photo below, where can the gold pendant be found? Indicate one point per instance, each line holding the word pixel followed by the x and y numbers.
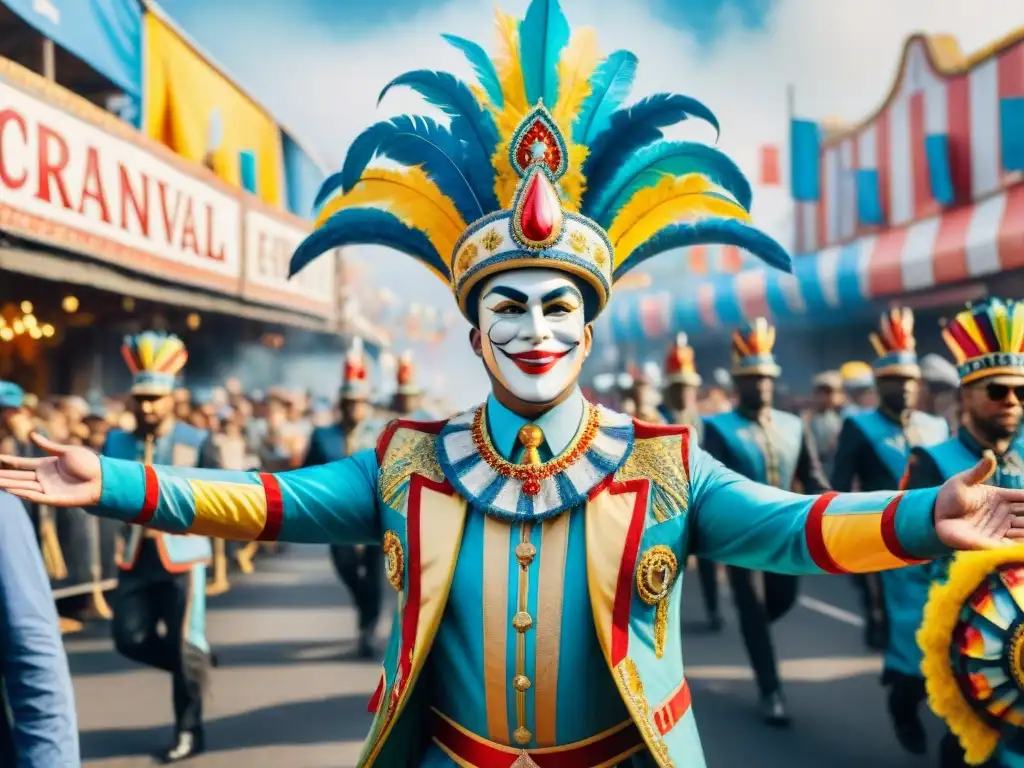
pixel 660 627
pixel 524 761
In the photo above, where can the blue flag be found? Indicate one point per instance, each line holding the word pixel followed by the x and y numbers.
pixel 936 149
pixel 805 156
pixel 1011 123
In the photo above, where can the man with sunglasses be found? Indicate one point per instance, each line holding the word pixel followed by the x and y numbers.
pixel 872 454
pixel 987 342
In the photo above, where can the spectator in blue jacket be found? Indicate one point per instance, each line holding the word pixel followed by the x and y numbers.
pixel 38 726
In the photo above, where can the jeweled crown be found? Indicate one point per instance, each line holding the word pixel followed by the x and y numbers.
pixel 987 339
pixel 154 359
pixel 895 344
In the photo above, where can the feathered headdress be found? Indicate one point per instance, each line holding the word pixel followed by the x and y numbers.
pixel 987 339
pixel 540 165
pixel 679 365
pixel 752 350
pixel 355 383
pixel 155 359
pixel 895 345
pixel 406 375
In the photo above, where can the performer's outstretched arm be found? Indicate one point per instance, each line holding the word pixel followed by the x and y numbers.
pixel 332 503
pixel 744 523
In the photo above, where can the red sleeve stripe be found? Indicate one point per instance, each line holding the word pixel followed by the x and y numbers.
pixel 686 452
pixel 151 499
pixel 669 714
pixel 892 541
pixel 275 508
pixel 814 530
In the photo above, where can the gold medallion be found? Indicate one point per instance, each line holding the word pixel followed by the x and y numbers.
pixel 394 560
pixel 656 574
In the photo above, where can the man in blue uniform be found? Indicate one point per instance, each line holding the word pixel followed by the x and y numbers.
pixel 408 400
pixel 163 577
pixel 534 540
pixel 771 447
pixel 872 454
pixel 358 566
pixel 987 342
pixel 679 406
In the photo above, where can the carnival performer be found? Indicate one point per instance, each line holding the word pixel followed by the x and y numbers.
pixel 824 419
pixel 535 540
pixel 973 620
pixel 679 406
pixel 359 566
pixel 772 447
pixel 408 400
pixel 873 450
pixel 162 576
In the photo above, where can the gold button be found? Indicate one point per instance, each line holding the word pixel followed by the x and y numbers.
pixel 521 683
pixel 522 736
pixel 522 621
pixel 531 436
pixel 525 552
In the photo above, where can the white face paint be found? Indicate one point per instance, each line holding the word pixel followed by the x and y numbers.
pixel 533 332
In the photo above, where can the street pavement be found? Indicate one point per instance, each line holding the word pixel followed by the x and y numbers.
pixel 289 694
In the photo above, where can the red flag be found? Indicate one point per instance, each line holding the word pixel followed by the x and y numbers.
pixel 699 259
pixel 732 259
pixel 771 173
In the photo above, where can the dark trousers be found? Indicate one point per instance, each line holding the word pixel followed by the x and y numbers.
pixel 757 615
pixel 148 596
pixel 360 570
pixel 872 600
pixel 708 574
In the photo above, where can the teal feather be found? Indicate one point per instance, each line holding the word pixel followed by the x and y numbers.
pixel 631 129
pixel 416 141
pixel 470 123
pixel 667 158
pixel 609 87
pixel 486 74
pixel 543 33
pixel 711 231
pixel 366 226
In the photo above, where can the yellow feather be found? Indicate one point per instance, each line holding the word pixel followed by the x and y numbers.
pixel 412 197
pixel 1001 327
pixel 145 354
pixel 577 64
pixel 672 200
pixel 1017 328
pixel 167 350
pixel 740 344
pixel 971 327
pixel 954 347
pixel 876 342
pixel 480 94
pixel 510 71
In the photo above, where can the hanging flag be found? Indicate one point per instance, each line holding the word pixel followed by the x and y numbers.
pixel 732 259
pixel 869 198
pixel 805 160
pixel 936 148
pixel 1011 122
pixel 771 171
pixel 698 256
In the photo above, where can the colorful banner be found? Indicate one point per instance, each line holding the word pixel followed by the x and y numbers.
pixel 805 157
pixel 303 177
pixel 940 177
pixel 106 34
pixel 200 114
pixel 1011 122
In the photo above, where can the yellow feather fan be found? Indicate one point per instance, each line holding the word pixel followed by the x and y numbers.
pixel 672 200
pixel 575 67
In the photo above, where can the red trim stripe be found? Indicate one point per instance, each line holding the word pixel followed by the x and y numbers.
pixel 669 714
pixel 958 120
pixel 1011 230
pixel 950 254
pixel 275 508
pixel 686 452
pixel 889 537
pixel 378 694
pixel 644 430
pixel 885 271
pixel 151 499
pixel 815 533
pixel 624 588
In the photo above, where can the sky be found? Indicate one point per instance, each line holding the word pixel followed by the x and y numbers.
pixel 319 65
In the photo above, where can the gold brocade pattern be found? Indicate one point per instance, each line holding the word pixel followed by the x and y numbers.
pixel 492 240
pixel 394 560
pixel 655 575
pixel 660 461
pixel 633 688
pixel 410 452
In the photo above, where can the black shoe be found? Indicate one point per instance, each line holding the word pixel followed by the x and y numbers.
pixel 188 745
pixel 876 635
pixel 773 710
pixel 366 649
pixel 909 731
pixel 715 623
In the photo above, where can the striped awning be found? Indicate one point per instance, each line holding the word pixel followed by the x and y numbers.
pixel 973 241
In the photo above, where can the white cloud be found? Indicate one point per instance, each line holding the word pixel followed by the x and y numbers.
pixel 840 57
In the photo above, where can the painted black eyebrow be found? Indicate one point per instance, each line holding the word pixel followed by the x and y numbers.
pixel 558 293
pixel 509 293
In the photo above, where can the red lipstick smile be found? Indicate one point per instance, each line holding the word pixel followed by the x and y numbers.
pixel 536 361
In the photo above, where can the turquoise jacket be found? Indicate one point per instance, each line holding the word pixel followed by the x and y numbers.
pixel 542 603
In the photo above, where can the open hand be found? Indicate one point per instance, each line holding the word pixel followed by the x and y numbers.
pixel 68 477
pixel 972 515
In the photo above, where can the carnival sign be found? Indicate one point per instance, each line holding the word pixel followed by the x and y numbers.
pixel 73 177
pixel 270 241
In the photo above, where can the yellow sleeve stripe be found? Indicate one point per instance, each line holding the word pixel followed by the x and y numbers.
pixel 856 542
pixel 236 511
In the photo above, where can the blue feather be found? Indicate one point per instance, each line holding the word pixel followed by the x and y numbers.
pixel 609 86
pixel 470 123
pixel 366 226
pixel 543 33
pixel 483 66
pixel 712 231
pixel 328 188
pixel 667 158
pixel 416 141
pixel 632 128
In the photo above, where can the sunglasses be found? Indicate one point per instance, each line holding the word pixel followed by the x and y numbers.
pixel 999 392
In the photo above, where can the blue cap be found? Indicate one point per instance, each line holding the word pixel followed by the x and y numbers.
pixel 11 395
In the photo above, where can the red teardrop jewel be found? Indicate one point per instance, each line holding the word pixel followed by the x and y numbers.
pixel 531 486
pixel 540 214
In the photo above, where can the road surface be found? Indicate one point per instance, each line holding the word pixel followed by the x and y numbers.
pixel 288 693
